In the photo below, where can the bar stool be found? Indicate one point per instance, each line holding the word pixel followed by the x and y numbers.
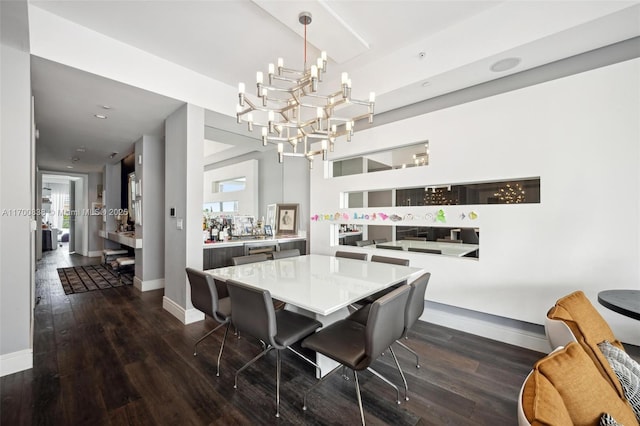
pixel 109 255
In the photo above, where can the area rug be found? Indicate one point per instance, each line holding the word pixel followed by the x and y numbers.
pixel 81 279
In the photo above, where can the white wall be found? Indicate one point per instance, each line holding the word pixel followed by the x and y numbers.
pixel 111 181
pixel 278 183
pixel 150 171
pixel 247 198
pixel 580 135
pixel 16 192
pixel 96 242
pixel 184 145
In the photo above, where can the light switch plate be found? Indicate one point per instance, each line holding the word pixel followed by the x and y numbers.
pixel 179 224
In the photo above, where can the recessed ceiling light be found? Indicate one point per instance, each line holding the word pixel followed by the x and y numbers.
pixel 426 83
pixel 113 154
pixel 422 55
pixel 505 64
pixel 75 159
pixel 81 149
pixel 106 107
pixel 100 116
pixel 69 167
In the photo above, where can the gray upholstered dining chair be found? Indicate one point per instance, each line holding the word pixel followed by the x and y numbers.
pixel 210 297
pixel 425 250
pixel 380 240
pixel 390 260
pixel 363 243
pixel 413 310
pixel 448 240
pixel 356 346
pixel 351 255
pixel 382 246
pixel 254 315
pixel 415 238
pixel 286 253
pixel 469 236
pixel 251 258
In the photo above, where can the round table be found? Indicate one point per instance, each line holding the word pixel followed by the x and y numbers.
pixel 625 302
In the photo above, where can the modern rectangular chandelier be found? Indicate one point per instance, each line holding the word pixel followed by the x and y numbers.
pixel 292 113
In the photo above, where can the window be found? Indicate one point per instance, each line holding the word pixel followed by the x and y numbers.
pixel 229 185
pixel 221 207
pixel 414 155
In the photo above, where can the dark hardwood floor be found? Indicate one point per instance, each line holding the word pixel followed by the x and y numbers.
pixel 116 357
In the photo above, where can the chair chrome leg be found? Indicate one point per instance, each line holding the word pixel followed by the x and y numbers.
pixel 355 377
pixel 412 351
pixel 224 339
pixel 277 383
pixel 404 380
pixel 195 346
pixel 255 358
pixel 304 400
pixel 318 370
pixel 384 379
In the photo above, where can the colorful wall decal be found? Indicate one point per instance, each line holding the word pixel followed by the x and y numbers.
pixel 440 217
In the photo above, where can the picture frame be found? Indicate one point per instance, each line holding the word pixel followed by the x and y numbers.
pixel 271 216
pixel 268 231
pixel 287 219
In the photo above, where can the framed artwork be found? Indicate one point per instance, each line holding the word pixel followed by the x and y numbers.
pixel 271 216
pixel 287 218
pixel 268 230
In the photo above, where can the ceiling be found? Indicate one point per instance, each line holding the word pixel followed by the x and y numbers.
pixel 405 51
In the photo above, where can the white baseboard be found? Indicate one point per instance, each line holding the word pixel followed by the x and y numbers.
pixel 97 253
pixel 490 329
pixel 186 316
pixel 15 362
pixel 148 285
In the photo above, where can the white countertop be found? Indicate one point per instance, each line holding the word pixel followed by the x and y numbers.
pixel 126 238
pixel 318 283
pixel 348 234
pixel 448 249
pixel 255 241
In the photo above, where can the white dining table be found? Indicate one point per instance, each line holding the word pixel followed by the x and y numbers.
pixel 317 285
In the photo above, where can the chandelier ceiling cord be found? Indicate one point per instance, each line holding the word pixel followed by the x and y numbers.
pixel 291 112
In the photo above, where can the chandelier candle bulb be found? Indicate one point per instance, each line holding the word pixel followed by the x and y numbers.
pixel 345 77
pixel 271 118
pixel 250 122
pixel 372 97
pixel 264 136
pixel 280 152
pixel 259 78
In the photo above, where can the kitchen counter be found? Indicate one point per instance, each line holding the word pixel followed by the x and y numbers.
pixel 243 241
pixel 217 255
